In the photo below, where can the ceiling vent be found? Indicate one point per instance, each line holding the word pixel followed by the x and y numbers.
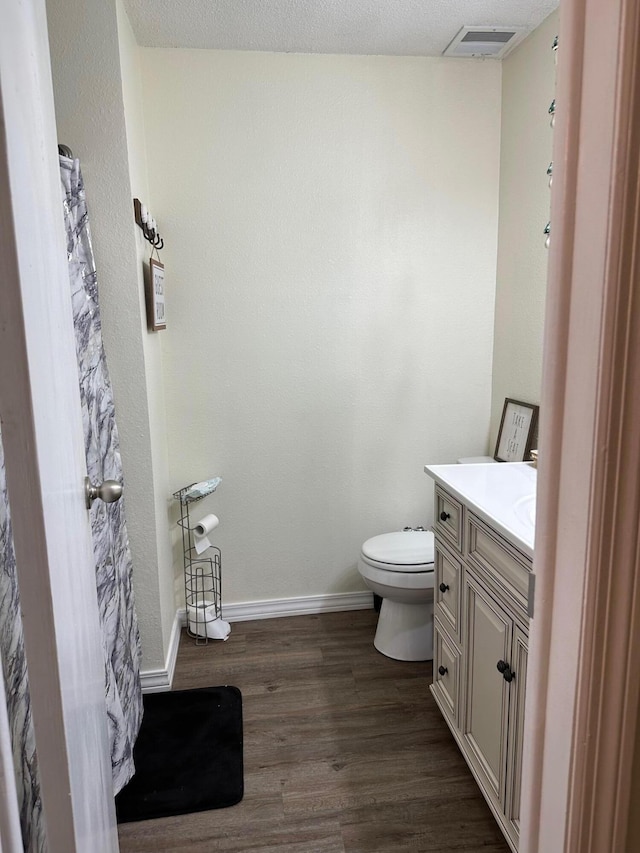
pixel 488 42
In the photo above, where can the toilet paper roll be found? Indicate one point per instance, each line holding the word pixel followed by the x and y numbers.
pixel 201 532
pixel 203 621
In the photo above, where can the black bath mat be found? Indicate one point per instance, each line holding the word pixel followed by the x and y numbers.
pixel 188 755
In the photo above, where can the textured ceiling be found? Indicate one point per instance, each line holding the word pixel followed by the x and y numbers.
pixel 393 27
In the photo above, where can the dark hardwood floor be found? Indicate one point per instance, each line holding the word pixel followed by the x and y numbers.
pixel 345 750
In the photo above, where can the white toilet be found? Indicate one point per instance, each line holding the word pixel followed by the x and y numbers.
pixel 399 568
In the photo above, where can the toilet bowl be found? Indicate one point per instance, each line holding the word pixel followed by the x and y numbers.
pixel 399 568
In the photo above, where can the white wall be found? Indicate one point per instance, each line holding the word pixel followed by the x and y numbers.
pixel 331 229
pixel 157 604
pixel 88 88
pixel 528 87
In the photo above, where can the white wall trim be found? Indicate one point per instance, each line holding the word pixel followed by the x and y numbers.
pixel 300 606
pixel 582 687
pixel 274 608
pixel 160 680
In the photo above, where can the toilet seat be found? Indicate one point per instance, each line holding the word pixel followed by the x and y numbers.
pixel 404 551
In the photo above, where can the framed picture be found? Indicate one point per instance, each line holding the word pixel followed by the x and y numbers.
pixel 517 431
pixel 156 318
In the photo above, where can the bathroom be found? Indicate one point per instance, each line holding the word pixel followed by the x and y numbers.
pixel 354 286
pixel 332 246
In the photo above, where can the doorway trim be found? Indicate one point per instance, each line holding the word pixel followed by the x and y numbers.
pixel 582 692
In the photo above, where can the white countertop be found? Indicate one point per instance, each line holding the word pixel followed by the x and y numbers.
pixel 502 494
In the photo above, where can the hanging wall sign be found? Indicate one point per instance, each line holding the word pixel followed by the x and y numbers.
pixel 156 318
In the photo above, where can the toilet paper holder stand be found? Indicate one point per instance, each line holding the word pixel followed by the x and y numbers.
pixel 202 574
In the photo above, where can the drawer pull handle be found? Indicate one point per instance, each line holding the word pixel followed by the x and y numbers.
pixel 443 670
pixel 443 587
pixel 444 516
pixel 505 670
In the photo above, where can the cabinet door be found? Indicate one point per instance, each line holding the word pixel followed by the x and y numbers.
pixel 516 731
pixel 488 630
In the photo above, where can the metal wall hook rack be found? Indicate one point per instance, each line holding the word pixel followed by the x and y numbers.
pixel 147 223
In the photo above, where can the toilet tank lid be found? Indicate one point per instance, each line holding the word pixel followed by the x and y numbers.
pixel 404 548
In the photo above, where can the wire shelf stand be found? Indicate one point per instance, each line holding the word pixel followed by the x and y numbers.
pixel 202 574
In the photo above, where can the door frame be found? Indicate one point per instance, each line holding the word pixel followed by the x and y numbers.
pixel 587 620
pixel 44 454
pixel 582 688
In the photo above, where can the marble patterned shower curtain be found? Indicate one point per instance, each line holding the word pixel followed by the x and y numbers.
pixel 14 670
pixel 110 542
pixel 109 531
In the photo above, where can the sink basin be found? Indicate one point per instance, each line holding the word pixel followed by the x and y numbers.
pixel 525 510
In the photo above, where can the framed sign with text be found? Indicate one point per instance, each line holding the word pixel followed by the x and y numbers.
pixel 156 317
pixel 517 431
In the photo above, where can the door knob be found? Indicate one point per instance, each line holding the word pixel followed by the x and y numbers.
pixel 443 587
pixel 444 516
pixel 109 491
pixel 443 670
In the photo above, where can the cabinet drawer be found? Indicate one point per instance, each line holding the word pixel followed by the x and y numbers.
pixel 504 565
pixel 446 673
pixel 447 598
pixel 448 518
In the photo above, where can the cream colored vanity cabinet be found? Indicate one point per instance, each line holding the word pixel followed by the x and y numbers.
pixel 480 651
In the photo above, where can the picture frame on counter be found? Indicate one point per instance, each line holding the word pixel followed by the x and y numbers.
pixel 517 432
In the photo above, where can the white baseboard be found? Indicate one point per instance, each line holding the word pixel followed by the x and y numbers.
pixel 159 680
pixel 301 606
pixel 272 608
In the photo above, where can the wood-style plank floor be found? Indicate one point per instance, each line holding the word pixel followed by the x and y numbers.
pixel 345 750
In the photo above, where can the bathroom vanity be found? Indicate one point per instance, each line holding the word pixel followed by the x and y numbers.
pixel 484 530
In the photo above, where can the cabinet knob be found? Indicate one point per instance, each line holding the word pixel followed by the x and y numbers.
pixel 505 670
pixel 443 670
pixel 444 516
pixel 443 587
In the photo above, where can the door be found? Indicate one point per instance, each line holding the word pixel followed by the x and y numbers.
pixel 486 702
pixel 43 443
